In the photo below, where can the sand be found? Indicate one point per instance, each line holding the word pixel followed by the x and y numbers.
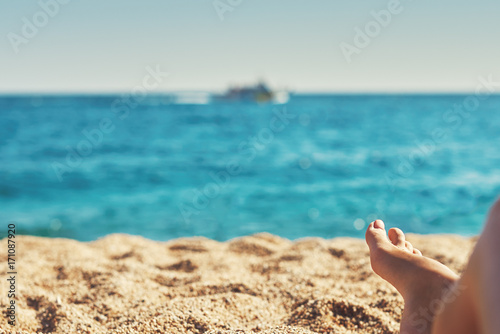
pixel 256 284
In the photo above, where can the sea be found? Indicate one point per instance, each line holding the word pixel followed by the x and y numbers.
pixel 83 167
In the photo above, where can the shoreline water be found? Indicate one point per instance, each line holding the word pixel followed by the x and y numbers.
pixel 258 283
pixel 336 163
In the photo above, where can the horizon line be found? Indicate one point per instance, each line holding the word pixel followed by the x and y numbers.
pixel 298 92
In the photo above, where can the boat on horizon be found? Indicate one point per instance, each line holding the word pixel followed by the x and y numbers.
pixel 259 93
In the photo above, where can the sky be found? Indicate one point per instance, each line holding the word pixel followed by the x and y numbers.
pixel 91 46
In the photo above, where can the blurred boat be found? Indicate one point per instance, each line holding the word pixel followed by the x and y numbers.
pixel 260 93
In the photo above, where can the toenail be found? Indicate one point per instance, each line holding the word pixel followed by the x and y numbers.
pixel 379 224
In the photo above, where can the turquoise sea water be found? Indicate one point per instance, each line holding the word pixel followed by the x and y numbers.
pixel 86 166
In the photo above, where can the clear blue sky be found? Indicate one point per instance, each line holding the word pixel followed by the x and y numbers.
pixel 103 46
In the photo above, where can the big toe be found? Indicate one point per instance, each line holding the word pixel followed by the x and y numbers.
pixel 376 235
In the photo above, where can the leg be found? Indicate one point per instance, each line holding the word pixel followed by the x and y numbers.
pixel 478 301
pixel 436 301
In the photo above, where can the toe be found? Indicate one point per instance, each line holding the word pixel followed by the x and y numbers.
pixel 376 235
pixel 409 246
pixel 397 237
pixel 417 252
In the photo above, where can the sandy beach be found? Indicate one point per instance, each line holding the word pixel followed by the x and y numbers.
pixel 255 284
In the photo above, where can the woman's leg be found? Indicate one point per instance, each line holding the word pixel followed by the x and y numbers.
pixel 477 307
pixel 436 300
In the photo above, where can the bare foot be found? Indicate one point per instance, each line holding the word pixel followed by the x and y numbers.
pixel 424 283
